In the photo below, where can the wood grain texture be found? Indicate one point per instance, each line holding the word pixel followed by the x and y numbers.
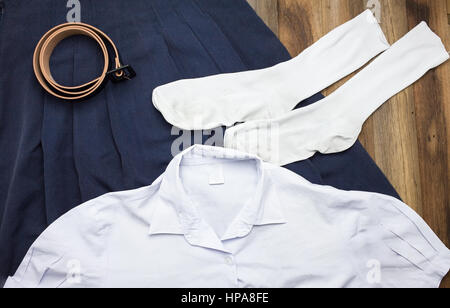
pixel 448 11
pixel 268 11
pixel 409 136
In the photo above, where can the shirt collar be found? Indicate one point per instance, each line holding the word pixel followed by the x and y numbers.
pixel 176 213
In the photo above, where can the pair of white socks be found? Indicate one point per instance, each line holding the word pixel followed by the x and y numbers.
pixel 333 124
pixel 266 98
pixel 226 99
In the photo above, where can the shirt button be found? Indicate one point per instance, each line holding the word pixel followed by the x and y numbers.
pixel 229 260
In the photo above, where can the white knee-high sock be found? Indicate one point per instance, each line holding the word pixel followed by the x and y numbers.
pixel 226 99
pixel 333 124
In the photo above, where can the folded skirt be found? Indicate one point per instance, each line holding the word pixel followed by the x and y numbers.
pixel 56 155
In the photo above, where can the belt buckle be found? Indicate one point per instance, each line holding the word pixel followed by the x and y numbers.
pixel 127 73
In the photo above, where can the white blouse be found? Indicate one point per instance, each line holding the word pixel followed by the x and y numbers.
pixel 221 218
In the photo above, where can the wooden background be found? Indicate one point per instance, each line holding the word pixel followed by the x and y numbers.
pixel 409 137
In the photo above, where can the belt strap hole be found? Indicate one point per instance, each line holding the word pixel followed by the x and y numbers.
pixel 2 10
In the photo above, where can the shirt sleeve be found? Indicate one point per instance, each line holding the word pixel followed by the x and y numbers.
pixel 391 244
pixel 69 253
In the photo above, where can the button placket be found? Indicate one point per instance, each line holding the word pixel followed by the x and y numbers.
pixel 229 260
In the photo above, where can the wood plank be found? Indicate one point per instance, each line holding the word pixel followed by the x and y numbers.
pixel 409 136
pixel 432 95
pixel 268 11
pixel 395 134
pixel 448 11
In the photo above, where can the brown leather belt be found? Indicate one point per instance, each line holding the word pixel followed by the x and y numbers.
pixel 44 50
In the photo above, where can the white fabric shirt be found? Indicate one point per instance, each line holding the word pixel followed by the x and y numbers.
pixel 220 218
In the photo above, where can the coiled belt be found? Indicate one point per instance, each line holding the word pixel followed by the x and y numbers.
pixel 44 50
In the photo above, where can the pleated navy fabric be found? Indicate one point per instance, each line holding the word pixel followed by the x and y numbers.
pixel 56 155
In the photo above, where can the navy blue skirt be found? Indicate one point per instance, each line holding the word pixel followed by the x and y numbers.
pixel 56 155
